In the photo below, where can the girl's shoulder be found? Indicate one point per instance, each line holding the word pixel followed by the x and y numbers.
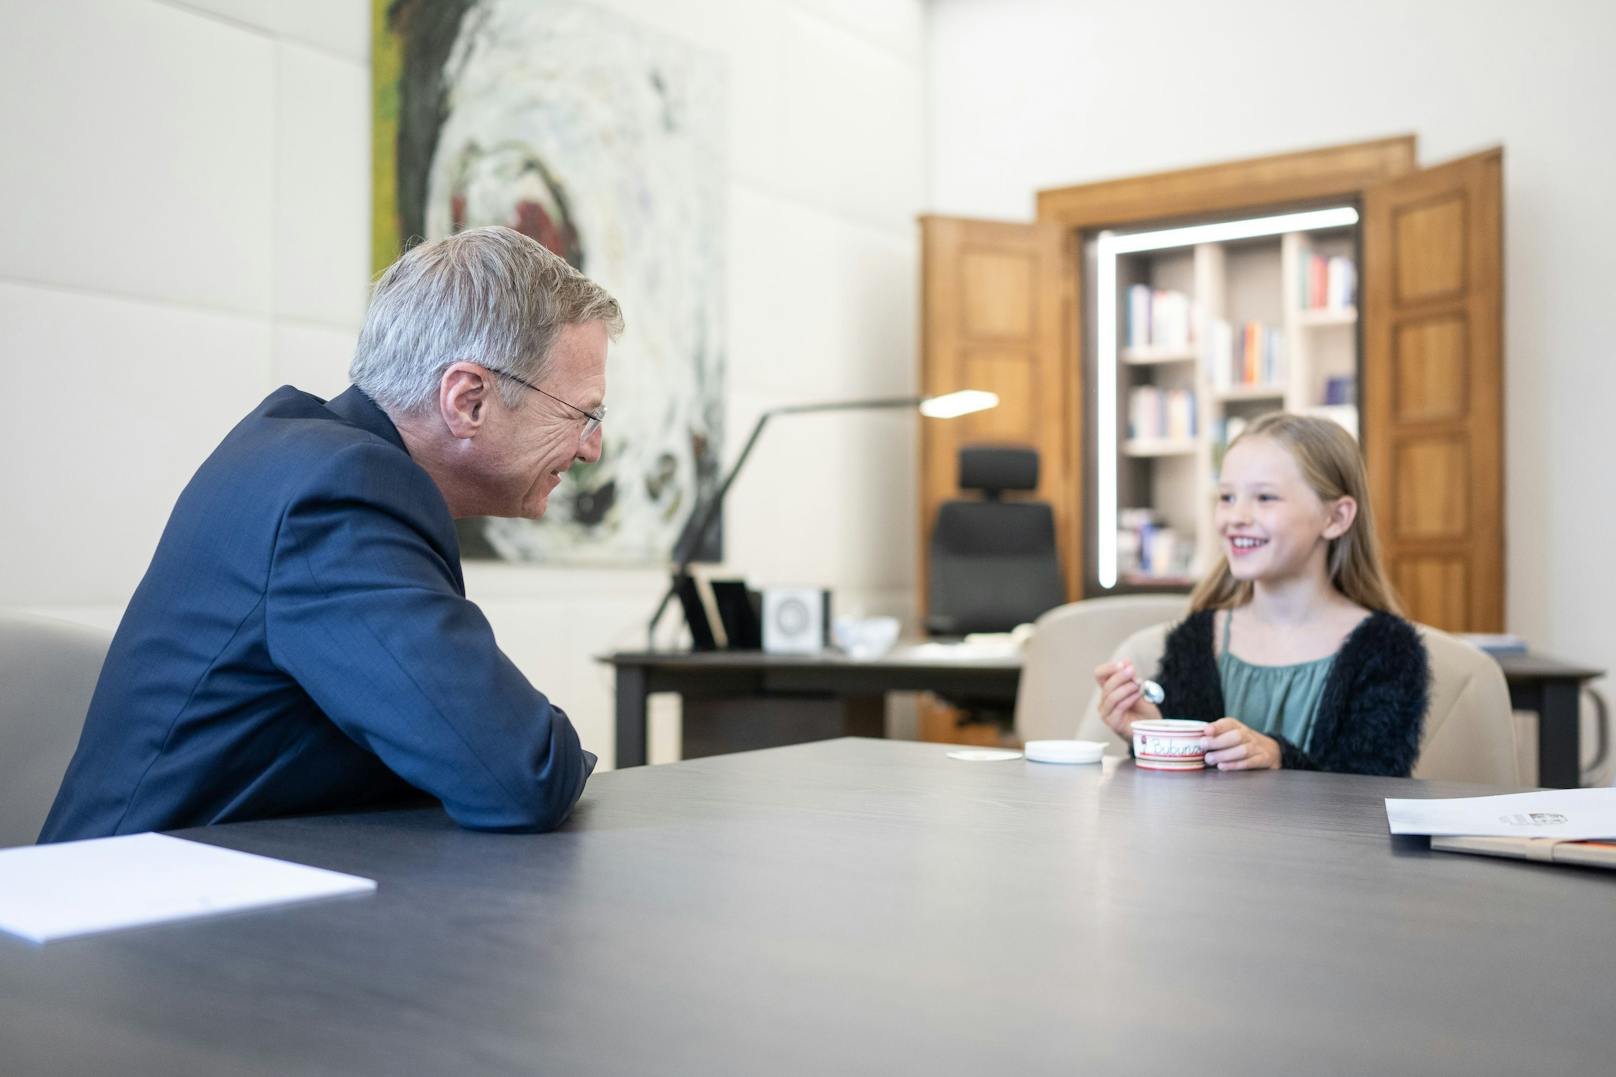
pixel 1381 624
pixel 1387 642
pixel 1192 630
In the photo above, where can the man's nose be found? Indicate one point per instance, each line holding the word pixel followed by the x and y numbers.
pixel 589 448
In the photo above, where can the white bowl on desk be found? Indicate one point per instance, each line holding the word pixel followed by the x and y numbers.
pixel 865 637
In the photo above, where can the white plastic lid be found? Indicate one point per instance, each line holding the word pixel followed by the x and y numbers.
pixel 1064 751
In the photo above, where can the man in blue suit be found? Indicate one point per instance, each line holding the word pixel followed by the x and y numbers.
pixel 302 641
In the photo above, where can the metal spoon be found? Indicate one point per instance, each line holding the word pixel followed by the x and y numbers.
pixel 1152 692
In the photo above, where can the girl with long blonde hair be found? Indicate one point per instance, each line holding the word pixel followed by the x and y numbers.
pixel 1295 648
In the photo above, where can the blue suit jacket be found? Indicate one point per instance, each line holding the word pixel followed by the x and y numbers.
pixel 302 642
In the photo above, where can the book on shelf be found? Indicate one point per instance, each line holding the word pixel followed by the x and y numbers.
pixel 1155 413
pixel 1239 356
pixel 1148 549
pixel 1495 642
pixel 1340 389
pixel 1159 319
pixel 1343 415
pixel 1229 429
pixel 1329 283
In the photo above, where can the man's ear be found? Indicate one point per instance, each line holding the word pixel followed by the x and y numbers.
pixel 465 394
pixel 1343 511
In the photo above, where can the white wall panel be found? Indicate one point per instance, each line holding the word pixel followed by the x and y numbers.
pixel 125 400
pixel 856 140
pixel 338 26
pixel 821 307
pixel 139 152
pixel 313 358
pixel 827 500
pixel 322 187
pixel 898 26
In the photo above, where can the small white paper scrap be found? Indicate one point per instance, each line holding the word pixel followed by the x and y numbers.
pixel 984 755
pixel 1566 814
pixel 102 884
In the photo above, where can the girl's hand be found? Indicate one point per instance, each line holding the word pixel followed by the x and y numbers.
pixel 1121 702
pixel 1233 745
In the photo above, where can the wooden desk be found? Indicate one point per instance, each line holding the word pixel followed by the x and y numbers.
pixel 860 907
pixel 1536 683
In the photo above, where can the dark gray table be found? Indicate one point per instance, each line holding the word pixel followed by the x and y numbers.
pixel 865 907
pixel 1537 683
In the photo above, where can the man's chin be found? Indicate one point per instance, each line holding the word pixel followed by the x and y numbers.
pixel 519 512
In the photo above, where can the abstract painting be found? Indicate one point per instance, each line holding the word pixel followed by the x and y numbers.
pixel 603 140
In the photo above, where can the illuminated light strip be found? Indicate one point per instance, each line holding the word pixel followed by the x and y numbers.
pixel 1107 246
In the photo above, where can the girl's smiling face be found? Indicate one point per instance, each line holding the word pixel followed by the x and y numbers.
pixel 1272 524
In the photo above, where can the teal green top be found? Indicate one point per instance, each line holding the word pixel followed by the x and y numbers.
pixel 1277 701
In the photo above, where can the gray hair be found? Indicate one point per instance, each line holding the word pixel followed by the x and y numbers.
pixel 486 295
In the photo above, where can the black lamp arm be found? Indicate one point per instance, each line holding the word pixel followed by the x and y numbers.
pixel 695 532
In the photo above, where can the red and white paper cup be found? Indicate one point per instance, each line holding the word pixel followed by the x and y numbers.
pixel 1170 744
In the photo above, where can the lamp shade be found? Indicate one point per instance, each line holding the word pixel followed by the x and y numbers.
pixel 953 405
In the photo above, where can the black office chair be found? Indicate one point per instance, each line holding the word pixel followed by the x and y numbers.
pixel 993 563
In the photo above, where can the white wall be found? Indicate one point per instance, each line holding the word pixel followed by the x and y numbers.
pixel 187 227
pixel 1027 94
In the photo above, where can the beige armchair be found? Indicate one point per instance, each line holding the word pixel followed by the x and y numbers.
pixel 48 670
pixel 1066 644
pixel 1469 733
pixel 1469 730
pixel 1144 649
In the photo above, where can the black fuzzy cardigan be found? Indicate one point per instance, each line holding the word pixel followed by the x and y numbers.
pixel 1370 712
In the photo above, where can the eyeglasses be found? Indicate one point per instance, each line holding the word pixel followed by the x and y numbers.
pixel 592 419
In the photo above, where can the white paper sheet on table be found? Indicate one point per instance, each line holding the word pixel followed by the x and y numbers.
pixel 80 887
pixel 1566 814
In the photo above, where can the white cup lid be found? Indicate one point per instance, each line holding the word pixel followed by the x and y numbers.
pixel 1064 751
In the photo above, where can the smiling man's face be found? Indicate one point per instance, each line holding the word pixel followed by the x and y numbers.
pixel 537 441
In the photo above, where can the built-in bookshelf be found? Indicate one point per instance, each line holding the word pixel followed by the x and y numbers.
pixel 1209 336
pixel 1399 314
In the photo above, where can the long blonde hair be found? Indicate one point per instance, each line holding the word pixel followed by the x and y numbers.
pixel 1332 465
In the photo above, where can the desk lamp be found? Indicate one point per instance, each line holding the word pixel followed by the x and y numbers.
pixel 947 406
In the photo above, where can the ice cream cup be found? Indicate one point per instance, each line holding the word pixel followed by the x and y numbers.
pixel 1170 744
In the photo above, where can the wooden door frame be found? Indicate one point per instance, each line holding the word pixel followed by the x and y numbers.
pixel 1340 171
pixel 1476 416
pixel 940 282
pixel 1328 172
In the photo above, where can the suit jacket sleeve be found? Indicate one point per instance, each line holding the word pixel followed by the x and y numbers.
pixel 365 611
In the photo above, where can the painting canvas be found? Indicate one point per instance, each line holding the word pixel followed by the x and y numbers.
pixel 603 140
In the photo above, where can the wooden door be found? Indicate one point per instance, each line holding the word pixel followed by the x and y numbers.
pixel 997 306
pixel 1433 431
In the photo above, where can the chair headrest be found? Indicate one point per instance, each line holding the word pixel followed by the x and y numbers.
pixel 992 468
